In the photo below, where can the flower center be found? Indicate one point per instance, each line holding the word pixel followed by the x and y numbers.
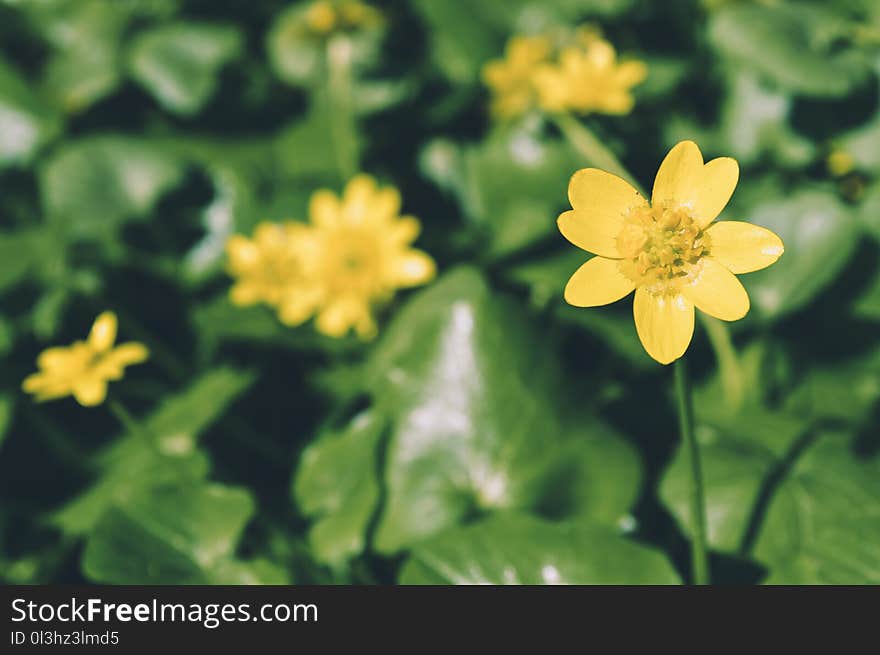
pixel 661 248
pixel 352 263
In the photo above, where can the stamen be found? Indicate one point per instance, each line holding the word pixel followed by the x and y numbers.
pixel 661 248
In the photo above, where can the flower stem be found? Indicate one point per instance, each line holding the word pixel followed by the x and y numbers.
pixel 339 95
pixel 132 425
pixel 592 149
pixel 728 363
pixel 699 553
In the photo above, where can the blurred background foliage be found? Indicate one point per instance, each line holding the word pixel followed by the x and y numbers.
pixel 490 433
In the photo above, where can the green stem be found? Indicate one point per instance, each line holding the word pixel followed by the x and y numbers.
pixel 339 91
pixel 699 553
pixel 132 425
pixel 592 149
pixel 728 362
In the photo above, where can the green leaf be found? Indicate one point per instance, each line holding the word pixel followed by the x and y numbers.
pixel 754 122
pixel 131 468
pixel 26 122
pixel 295 55
pixel 476 423
pixel 810 516
pixel 176 535
pixel 521 550
pixel 513 184
pixel 867 305
pixel 733 473
pixel 86 38
pixel 823 524
pixel 219 321
pixel 337 485
pixel 869 211
pixel 91 186
pixel 863 144
pixel 461 38
pixel 596 476
pixel 794 44
pixel 18 254
pixel 6 408
pixel 819 234
pixel 304 148
pixel 179 62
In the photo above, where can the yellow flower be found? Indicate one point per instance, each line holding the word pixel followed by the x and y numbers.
pixel 356 255
pixel 511 79
pixel 668 251
pixel 84 368
pixel 588 78
pixel 325 16
pixel 840 163
pixel 268 268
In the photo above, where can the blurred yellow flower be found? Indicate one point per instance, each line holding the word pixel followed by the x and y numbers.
pixel 668 250
pixel 84 368
pixel 268 268
pixel 358 253
pixel 354 253
pixel 588 78
pixel 511 79
pixel 840 162
pixel 324 17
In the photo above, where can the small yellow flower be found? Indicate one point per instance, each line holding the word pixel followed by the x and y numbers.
pixel 511 79
pixel 268 268
pixel 668 251
pixel 84 368
pixel 840 163
pixel 325 17
pixel 588 78
pixel 357 254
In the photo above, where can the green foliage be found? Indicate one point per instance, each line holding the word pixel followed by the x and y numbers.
pixel 179 535
pixel 513 549
pixel 793 43
pixel 490 433
pixel 179 63
pixel 91 186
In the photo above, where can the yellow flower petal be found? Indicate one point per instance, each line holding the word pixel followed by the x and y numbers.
pixel 335 319
pixel 718 292
pixel 113 363
pixel 743 247
pixel 299 305
pixel 35 381
pixel 600 201
pixel 385 205
pixel 404 231
pixel 665 324
pixel 598 282
pixel 54 359
pixel 357 199
pixel 90 391
pixel 103 332
pixel 411 268
pixel 242 252
pixel 630 73
pixel 684 181
pixel 244 294
pixel 324 208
